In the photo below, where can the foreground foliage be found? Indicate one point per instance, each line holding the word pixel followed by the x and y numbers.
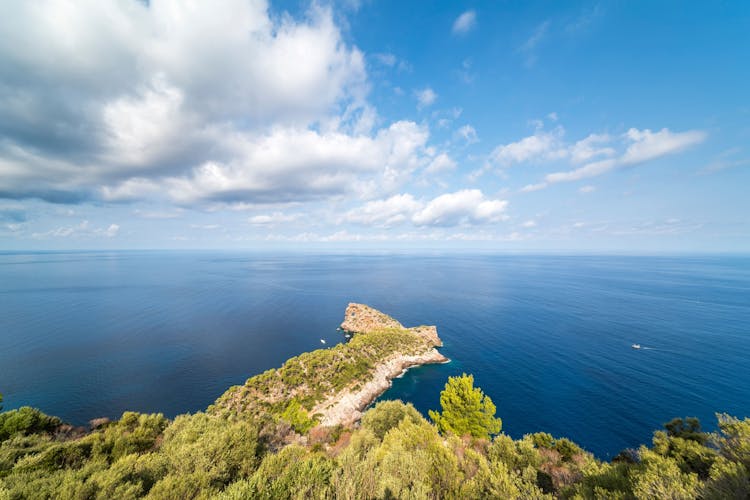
pixel 393 453
pixel 466 410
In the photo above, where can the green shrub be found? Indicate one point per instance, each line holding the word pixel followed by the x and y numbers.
pixel 133 433
pixel 217 450
pixel 386 415
pixel 293 473
pixel 296 416
pixel 26 420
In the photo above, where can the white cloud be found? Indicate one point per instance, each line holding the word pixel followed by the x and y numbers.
pixel 83 229
pixel 592 156
pixel 291 164
pixel 141 130
pixel 462 207
pixel 468 134
pixel 440 163
pixel 112 230
pixel 530 188
pixel 465 207
pixel 110 99
pixel 587 189
pixel 647 145
pixel 529 224
pixel 464 23
pixel 642 146
pixel 540 146
pixel 589 170
pixel 272 219
pixel 425 97
pixel 591 147
pixel 394 210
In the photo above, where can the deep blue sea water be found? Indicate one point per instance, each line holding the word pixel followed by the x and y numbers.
pixel 91 334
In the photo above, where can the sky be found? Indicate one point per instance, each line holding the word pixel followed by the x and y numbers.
pixel 537 126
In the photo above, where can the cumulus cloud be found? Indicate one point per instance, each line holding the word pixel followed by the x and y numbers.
pixel 460 208
pixel 440 163
pixel 301 164
pixel 425 97
pixel 190 100
pixel 393 210
pixel 465 22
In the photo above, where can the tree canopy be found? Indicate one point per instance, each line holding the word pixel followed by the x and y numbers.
pixel 466 410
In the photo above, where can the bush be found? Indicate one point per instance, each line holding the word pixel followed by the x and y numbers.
pixel 133 433
pixel 216 449
pixel 296 416
pixel 733 439
pixel 26 420
pixel 293 473
pixel 386 415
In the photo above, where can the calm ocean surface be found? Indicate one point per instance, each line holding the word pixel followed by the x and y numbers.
pixel 93 334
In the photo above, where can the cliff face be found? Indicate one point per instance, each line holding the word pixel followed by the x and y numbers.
pixel 360 318
pixel 334 385
pixel 346 407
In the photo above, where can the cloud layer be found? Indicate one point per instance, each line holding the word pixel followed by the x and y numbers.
pixel 189 101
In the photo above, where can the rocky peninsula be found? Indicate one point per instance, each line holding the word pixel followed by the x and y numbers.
pixel 333 386
pixel 346 407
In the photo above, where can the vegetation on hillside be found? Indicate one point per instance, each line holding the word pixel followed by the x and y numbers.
pixel 312 377
pixel 393 453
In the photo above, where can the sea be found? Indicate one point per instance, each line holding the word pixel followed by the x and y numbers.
pixel 547 337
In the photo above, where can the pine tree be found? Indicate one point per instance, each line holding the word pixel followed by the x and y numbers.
pixel 466 409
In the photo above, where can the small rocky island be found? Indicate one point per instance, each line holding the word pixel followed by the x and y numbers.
pixel 333 386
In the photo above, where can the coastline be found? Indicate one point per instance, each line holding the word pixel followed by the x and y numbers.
pixel 334 385
pixel 347 407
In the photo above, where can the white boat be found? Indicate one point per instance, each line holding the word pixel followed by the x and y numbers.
pixel 322 341
pixel 636 346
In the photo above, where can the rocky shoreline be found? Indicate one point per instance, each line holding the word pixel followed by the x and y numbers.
pixel 346 407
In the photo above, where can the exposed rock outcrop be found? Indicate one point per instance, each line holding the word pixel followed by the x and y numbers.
pixel 346 407
pixel 360 318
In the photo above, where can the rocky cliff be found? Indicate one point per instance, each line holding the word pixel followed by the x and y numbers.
pixel 360 318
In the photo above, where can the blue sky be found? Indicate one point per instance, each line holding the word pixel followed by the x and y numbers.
pixel 352 125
